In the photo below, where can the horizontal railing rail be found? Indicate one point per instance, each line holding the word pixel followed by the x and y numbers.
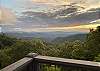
pixel 21 65
pixel 32 62
pixel 68 62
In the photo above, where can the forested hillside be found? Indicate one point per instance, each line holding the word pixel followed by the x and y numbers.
pixel 12 49
pixel 74 37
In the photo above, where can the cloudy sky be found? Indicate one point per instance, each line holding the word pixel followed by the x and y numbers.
pixel 49 15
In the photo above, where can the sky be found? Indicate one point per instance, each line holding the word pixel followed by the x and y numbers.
pixel 37 18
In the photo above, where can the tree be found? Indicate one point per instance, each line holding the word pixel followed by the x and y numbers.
pixel 20 49
pixel 97 58
pixel 6 40
pixel 93 44
pixel 5 58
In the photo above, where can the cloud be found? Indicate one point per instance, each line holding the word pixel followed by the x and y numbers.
pixel 74 28
pixel 81 28
pixel 52 2
pixel 0 29
pixel 55 19
pixel 85 3
pixel 60 19
pixel 6 16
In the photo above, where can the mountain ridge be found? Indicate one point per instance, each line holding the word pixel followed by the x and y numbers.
pixel 74 37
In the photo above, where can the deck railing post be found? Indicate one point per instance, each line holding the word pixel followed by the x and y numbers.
pixel 36 66
pixel 32 55
pixel 33 66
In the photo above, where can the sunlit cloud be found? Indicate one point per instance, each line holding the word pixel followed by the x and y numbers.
pixel 81 28
pixel 65 2
pixel 6 16
pixel 86 4
pixel 52 2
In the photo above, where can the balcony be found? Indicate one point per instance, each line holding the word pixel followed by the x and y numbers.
pixel 34 62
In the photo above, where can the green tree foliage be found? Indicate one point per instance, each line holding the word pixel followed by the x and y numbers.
pixel 39 46
pixel 97 58
pixel 6 40
pixel 5 58
pixel 18 49
pixel 93 44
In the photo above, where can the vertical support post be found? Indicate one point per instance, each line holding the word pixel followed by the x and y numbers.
pixel 33 65
pixel 36 66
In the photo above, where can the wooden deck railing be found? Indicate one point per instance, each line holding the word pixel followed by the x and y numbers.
pixel 34 62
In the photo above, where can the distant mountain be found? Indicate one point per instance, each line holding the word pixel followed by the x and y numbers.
pixel 71 38
pixel 48 36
